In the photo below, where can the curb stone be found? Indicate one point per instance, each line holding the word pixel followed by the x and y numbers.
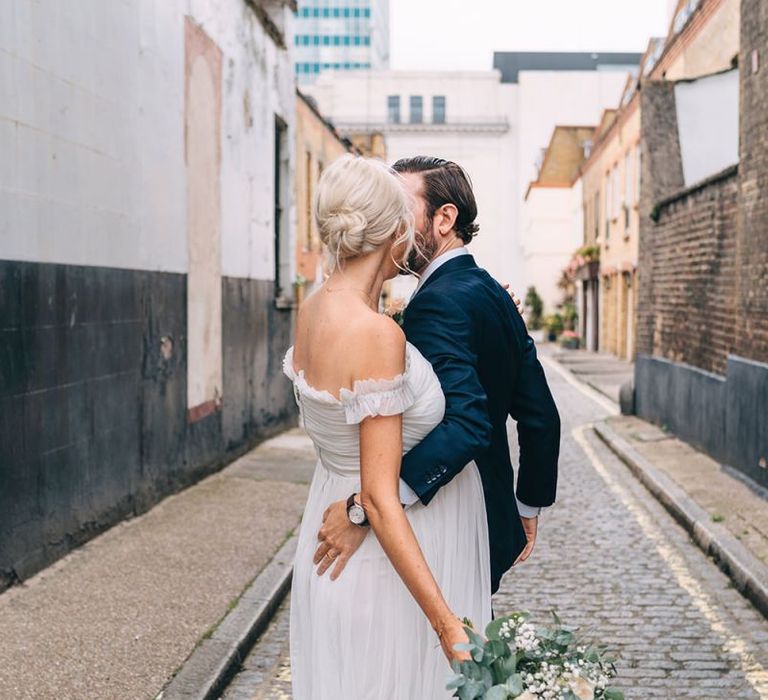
pixel 749 574
pixel 208 669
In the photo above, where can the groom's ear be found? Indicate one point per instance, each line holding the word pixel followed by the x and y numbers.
pixel 445 218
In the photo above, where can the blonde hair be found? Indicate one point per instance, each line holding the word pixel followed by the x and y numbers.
pixel 360 204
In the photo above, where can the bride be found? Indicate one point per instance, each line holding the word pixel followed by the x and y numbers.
pixel 385 628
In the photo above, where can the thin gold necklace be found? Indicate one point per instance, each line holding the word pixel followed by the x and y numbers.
pixel 350 289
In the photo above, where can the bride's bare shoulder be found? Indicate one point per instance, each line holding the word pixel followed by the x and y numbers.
pixel 377 347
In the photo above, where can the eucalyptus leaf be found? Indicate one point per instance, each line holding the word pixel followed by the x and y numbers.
pixel 494 627
pixel 507 665
pixel 613 694
pixel 498 692
pixel 487 677
pixel 497 648
pixel 474 637
pixel 455 681
pixel 470 690
pixel 515 684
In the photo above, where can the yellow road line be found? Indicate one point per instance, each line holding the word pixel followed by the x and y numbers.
pixel 753 670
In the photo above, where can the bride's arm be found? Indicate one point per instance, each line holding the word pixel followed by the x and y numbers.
pixel 381 450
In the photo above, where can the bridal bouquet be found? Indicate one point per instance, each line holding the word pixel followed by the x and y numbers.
pixel 518 660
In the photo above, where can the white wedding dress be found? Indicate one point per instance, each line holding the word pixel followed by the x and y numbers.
pixel 363 636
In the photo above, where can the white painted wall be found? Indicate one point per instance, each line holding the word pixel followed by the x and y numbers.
pixel 551 236
pixel 708 124
pixel 91 132
pixel 546 99
pixel 501 163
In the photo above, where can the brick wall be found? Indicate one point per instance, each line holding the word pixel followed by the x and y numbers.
pixel 752 248
pixel 692 260
pixel 661 173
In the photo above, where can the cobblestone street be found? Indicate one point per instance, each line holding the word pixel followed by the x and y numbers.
pixel 611 561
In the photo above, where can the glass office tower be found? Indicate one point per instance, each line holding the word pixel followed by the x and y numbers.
pixel 340 35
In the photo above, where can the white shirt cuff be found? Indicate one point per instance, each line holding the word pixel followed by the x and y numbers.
pixel 407 495
pixel 527 511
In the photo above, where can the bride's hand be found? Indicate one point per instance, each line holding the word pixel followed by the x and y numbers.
pixel 452 632
pixel 339 540
pixel 515 299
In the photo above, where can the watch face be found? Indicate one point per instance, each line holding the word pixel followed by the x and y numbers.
pixel 357 514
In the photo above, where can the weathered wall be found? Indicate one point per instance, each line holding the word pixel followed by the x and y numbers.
pixel 95 217
pixel 702 368
pixel 752 250
pixel 317 146
pixel 691 258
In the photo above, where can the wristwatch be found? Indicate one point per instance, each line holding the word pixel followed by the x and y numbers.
pixel 355 512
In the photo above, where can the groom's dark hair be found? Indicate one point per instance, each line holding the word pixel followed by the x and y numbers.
pixel 445 182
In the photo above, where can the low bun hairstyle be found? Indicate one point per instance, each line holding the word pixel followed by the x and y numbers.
pixel 360 205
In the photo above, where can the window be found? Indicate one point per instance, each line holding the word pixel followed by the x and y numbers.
pixel 280 194
pixel 596 216
pixel 607 205
pixel 627 199
pixel 628 179
pixel 615 191
pixel 637 173
pixel 438 109
pixel 393 109
pixel 417 109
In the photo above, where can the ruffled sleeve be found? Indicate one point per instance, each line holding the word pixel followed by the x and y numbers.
pixel 288 370
pixel 377 397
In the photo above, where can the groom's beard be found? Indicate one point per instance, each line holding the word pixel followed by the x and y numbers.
pixel 422 254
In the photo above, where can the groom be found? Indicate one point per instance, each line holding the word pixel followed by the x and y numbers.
pixel 468 328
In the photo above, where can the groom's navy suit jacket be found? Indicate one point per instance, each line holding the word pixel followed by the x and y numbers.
pixel 467 326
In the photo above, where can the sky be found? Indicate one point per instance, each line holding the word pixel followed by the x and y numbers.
pixel 463 34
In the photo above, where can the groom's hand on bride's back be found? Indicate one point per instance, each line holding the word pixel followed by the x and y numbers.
pixel 339 540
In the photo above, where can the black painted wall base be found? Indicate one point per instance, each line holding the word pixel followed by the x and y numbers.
pixel 726 417
pixel 93 414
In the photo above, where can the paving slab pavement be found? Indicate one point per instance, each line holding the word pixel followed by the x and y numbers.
pixel 117 617
pixel 603 372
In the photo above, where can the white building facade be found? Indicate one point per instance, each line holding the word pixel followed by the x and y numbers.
pixel 553 89
pixel 463 117
pixel 495 124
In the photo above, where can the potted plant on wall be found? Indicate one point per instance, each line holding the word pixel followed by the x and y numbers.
pixel 570 340
pixel 554 326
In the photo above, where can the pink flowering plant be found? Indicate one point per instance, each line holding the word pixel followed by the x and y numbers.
pixel 522 661
pixel 396 310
